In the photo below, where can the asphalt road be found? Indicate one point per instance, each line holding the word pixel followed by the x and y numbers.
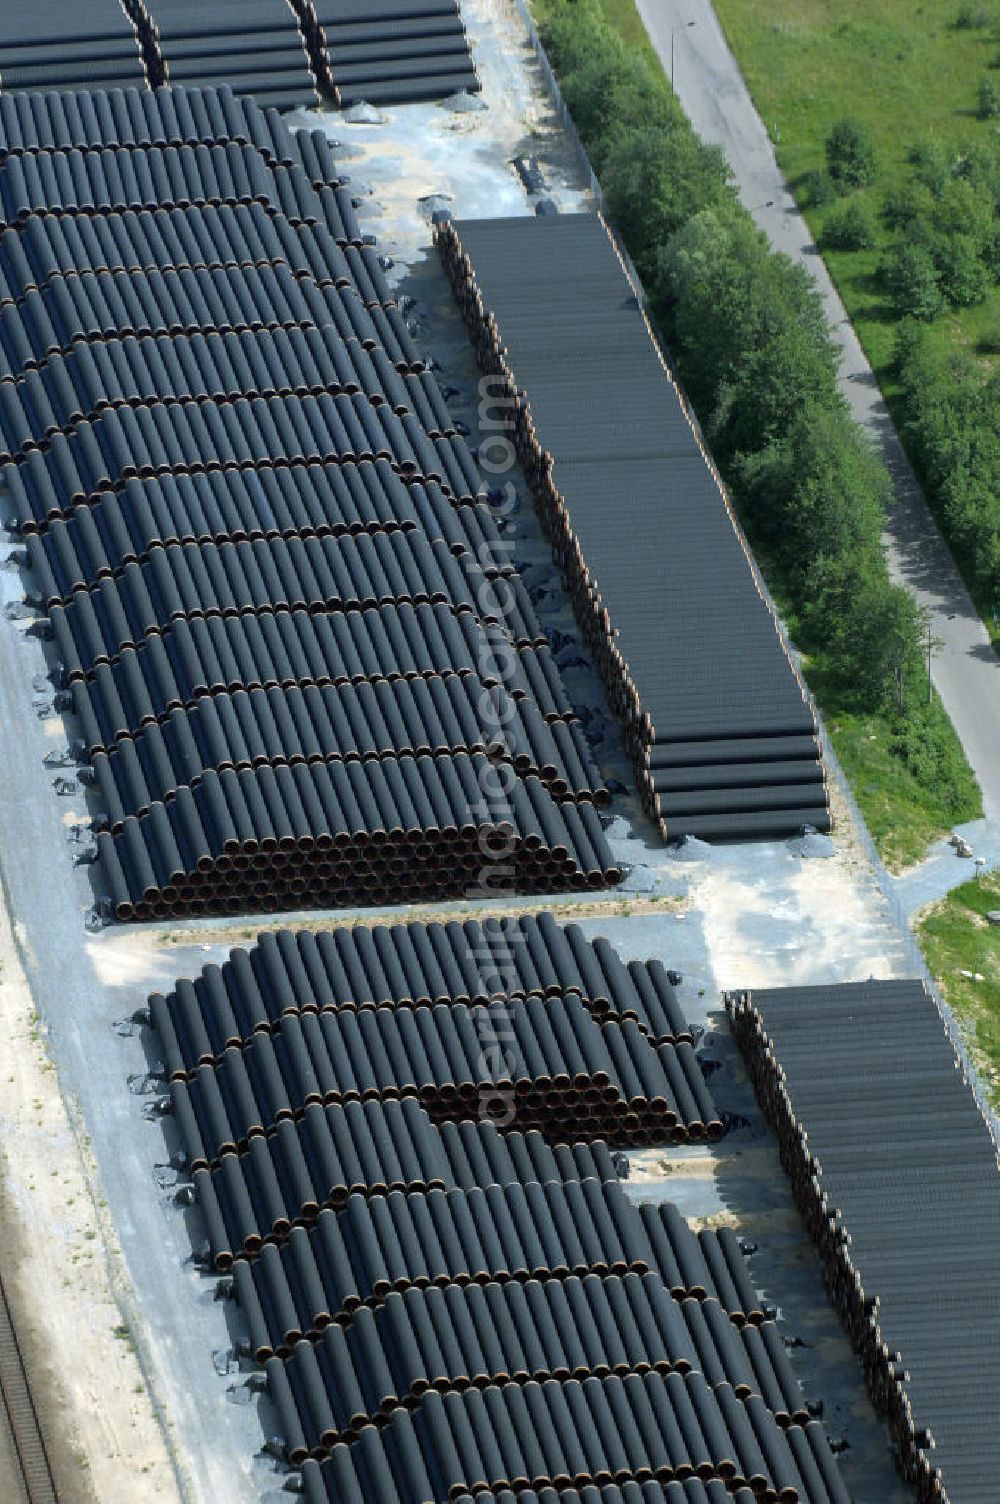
pixel 965 670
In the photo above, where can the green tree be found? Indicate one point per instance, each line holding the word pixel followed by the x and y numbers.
pixel 963 276
pixel 850 227
pixel 989 98
pixel 818 188
pixel 911 278
pixel 850 155
pixel 953 431
pixel 655 180
pixel 820 489
pixel 607 87
pixel 593 68
pixel 748 328
pixel 871 632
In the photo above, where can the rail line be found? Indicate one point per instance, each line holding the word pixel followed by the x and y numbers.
pixel 20 1416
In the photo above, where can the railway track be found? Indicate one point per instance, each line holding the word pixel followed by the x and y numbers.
pixel 19 1416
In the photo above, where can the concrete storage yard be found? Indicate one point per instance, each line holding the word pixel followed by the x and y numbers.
pixel 141 1391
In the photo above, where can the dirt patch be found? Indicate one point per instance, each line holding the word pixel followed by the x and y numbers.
pixel 614 906
pixel 64 1279
pixel 774 920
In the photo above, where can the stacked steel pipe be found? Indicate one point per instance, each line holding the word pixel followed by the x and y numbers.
pixel 559 1069
pixel 896 1174
pixel 261 47
pixel 446 1307
pixel 74 44
pixel 714 713
pixel 599 1431
pixel 690 1491
pixel 289 1098
pixel 286 53
pixel 355 1257
pixel 242 492
pixel 471 962
pixel 391 51
pixel 301 1171
pixel 462 1336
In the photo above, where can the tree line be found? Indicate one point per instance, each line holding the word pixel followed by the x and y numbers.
pixel 943 220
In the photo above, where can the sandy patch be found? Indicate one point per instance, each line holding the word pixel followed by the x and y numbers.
pixel 777 921
pixel 64 1277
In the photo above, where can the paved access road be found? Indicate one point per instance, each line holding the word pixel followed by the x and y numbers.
pixel 710 86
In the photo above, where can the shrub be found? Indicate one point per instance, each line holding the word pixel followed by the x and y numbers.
pixel 818 489
pixel 922 739
pixel 748 327
pixel 972 17
pixel 989 98
pixel 911 279
pixel 850 155
pixel 901 207
pixel 850 227
pixel 870 629
pixel 988 342
pixel 818 188
pixel 654 180
pixel 963 277
pixel 953 430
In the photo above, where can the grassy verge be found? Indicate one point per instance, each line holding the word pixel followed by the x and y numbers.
pixel 910 74
pixel 955 937
pixel 909 774
pixel 904 812
pixel 902 815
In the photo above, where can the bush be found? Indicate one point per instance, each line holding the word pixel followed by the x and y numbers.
pixel 748 329
pixel 911 279
pixel 902 207
pixel 922 738
pixel 819 490
pixel 850 155
pixel 947 214
pixel 655 171
pixel 972 17
pixel 818 188
pixel 989 98
pixel 953 430
pixel 654 180
pixel 850 227
pixel 870 631
pixel 988 342
pixel 963 277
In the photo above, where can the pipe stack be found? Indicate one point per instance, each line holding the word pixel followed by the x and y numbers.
pixel 305 668
pixel 75 44
pixel 447 1308
pixel 261 47
pixel 483 1236
pixel 472 962
pixel 287 1179
pixel 896 1174
pixel 724 743
pixel 463 1336
pixel 389 52
pixel 311 52
pixel 545 1065
pixel 329 1078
